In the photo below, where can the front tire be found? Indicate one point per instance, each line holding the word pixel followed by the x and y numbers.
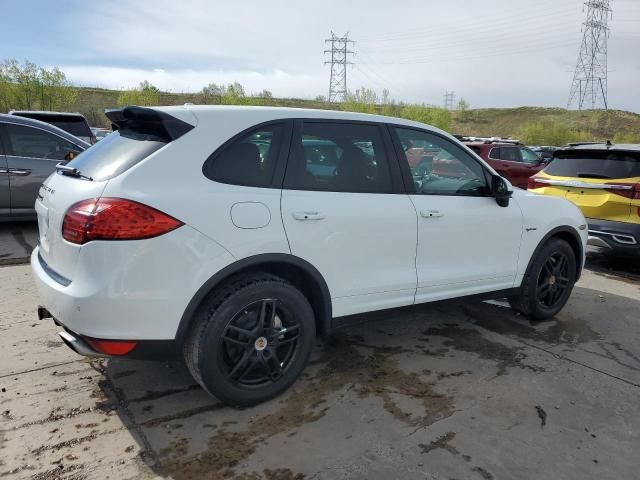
pixel 250 340
pixel 548 283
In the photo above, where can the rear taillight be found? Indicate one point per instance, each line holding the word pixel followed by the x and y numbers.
pixel 114 219
pixel 633 192
pixel 533 183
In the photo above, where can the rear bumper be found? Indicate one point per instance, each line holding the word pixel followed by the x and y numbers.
pixel 144 350
pixel 618 237
pixel 129 290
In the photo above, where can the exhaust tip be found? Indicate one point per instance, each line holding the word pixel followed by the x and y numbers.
pixel 78 345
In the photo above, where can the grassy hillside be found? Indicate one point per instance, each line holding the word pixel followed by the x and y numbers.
pixel 532 124
pixel 597 124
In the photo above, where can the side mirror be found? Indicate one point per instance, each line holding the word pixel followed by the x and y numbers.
pixel 500 189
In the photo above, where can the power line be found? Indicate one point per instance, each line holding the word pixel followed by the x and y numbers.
pixel 339 60
pixel 449 99
pixel 589 84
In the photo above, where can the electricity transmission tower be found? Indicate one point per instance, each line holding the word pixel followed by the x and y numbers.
pixel 449 98
pixel 589 85
pixel 339 60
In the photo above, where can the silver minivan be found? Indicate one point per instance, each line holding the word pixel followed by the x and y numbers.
pixel 29 153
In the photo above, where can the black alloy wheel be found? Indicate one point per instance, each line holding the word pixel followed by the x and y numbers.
pixel 258 345
pixel 553 280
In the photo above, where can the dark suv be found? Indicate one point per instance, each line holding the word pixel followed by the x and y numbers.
pixel 73 123
pixel 511 160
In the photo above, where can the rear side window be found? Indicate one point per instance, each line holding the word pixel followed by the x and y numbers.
pixel 115 154
pixel 510 154
pixel 75 125
pixel 595 164
pixel 249 160
pixel 339 157
pixel 35 143
pixel 495 153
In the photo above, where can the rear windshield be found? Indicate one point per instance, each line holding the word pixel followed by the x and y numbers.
pixel 115 154
pixel 595 164
pixel 75 125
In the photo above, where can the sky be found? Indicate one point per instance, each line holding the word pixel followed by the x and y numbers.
pixel 492 53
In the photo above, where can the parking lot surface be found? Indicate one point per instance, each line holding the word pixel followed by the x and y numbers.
pixel 17 239
pixel 450 390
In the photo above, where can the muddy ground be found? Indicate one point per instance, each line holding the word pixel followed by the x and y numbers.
pixel 453 390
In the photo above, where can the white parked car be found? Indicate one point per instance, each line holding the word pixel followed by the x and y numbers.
pixel 235 235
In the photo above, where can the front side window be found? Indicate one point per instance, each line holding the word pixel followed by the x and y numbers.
pixel 529 156
pixel 338 157
pixel 249 160
pixel 35 143
pixel 444 169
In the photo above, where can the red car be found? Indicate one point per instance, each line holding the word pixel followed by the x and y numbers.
pixel 513 161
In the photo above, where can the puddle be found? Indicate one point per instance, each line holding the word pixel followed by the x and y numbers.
pixel 367 371
pixel 472 341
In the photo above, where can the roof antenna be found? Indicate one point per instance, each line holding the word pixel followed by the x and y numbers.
pixel 609 144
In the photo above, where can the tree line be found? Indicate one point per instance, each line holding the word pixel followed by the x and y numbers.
pixel 27 86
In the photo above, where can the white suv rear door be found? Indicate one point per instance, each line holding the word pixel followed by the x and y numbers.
pixel 344 212
pixel 467 243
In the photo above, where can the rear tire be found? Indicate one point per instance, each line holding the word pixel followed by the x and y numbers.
pixel 548 283
pixel 250 340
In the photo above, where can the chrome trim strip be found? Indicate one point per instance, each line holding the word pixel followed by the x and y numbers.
pixel 578 184
pixel 597 242
pixel 618 237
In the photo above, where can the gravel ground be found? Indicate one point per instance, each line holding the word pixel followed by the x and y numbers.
pixel 452 390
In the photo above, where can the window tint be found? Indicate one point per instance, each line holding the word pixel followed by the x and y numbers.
pixel 115 154
pixel 528 156
pixel 510 154
pixel 495 153
pixel 250 160
pixel 475 149
pixel 339 157
pixel 32 142
pixel 595 164
pixel 74 124
pixel 442 168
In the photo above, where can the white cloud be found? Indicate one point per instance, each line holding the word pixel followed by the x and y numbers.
pixel 505 53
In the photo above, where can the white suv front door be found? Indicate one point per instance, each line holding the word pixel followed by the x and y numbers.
pixel 467 243
pixel 341 214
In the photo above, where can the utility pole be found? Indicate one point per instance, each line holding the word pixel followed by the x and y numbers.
pixel 449 99
pixel 589 86
pixel 339 59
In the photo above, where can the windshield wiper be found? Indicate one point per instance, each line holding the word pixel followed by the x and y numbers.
pixel 592 175
pixel 71 171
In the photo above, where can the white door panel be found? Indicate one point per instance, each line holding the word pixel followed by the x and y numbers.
pixel 362 243
pixel 466 245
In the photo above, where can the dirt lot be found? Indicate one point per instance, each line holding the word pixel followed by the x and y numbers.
pixel 450 390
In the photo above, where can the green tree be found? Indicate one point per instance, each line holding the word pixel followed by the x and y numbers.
pixel 362 100
pixel 145 94
pixel 27 86
pixel 438 117
pixel 233 94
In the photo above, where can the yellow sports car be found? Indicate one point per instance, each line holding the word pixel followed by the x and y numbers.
pixel 603 180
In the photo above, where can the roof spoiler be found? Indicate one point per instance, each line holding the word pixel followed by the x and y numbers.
pixel 148 121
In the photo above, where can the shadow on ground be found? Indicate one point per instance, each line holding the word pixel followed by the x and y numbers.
pixel 376 384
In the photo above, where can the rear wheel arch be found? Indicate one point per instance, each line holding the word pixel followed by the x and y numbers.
pixel 295 270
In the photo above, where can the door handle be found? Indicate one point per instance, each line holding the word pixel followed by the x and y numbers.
pixel 307 216
pixel 19 172
pixel 431 213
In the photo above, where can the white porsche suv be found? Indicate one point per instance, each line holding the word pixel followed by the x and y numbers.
pixel 235 235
